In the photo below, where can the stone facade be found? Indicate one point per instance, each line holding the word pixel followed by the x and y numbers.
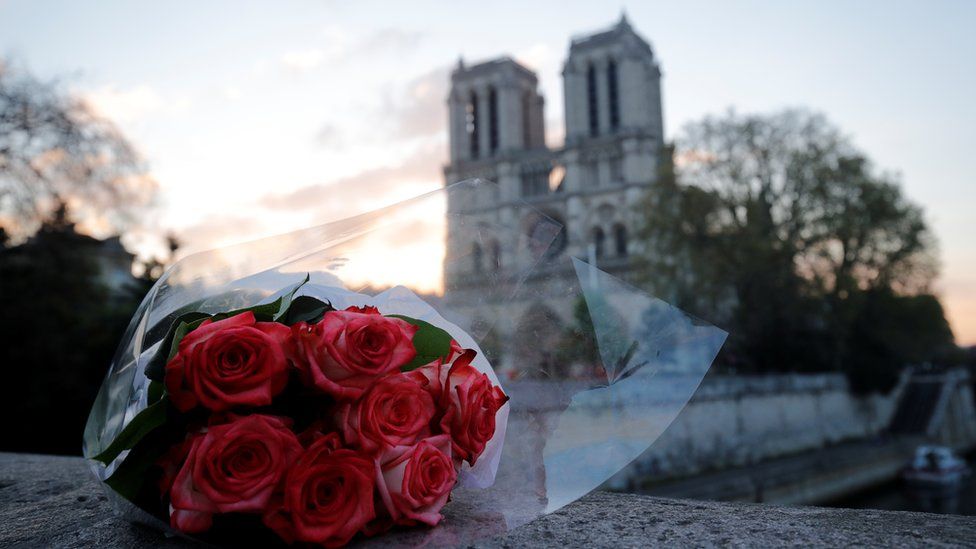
pixel 737 421
pixel 591 185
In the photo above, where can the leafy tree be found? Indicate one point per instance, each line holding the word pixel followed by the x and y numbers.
pixel 150 270
pixel 778 228
pixel 889 329
pixel 61 323
pixel 53 147
pixel 60 329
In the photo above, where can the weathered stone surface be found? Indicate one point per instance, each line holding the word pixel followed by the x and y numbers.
pixel 50 501
pixel 605 519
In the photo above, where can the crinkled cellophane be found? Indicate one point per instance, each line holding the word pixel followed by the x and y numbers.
pixel 561 436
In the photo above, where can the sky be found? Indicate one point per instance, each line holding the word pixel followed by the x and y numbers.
pixel 261 118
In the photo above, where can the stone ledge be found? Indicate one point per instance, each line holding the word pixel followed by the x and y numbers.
pixel 48 501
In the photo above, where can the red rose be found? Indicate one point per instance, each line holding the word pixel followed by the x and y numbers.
pixel 416 481
pixel 346 351
pixel 327 498
pixel 228 363
pixel 395 411
pixel 470 401
pixel 232 467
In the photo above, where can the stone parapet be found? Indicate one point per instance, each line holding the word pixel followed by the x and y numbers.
pixel 48 501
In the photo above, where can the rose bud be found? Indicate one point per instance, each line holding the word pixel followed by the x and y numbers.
pixel 471 402
pixel 395 411
pixel 345 352
pixel 232 362
pixel 232 467
pixel 327 498
pixel 415 481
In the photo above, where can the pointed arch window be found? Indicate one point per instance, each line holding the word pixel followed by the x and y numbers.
pixel 613 90
pixel 492 120
pixel 599 239
pixel 474 144
pixel 526 120
pixel 535 180
pixel 496 256
pixel 476 258
pixel 620 240
pixel 591 102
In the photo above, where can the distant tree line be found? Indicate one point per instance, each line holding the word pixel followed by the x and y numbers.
pixel 776 228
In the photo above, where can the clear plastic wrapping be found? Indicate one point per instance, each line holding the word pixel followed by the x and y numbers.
pixel 595 368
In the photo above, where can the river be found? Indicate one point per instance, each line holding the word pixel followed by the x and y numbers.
pixel 897 496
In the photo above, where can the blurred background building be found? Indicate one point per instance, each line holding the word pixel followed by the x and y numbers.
pixel 591 186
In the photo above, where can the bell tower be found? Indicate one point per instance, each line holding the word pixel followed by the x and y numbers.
pixel 592 185
pixel 612 85
pixel 495 109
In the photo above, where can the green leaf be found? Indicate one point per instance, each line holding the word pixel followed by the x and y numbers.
pixel 430 342
pixel 181 331
pixel 287 299
pixel 155 392
pixel 156 368
pixel 262 313
pixel 140 426
pixel 268 312
pixel 306 309
pixel 131 474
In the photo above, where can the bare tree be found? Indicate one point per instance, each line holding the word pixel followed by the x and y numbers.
pixel 54 148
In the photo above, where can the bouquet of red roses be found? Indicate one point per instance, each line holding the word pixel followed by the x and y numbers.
pixel 240 410
pixel 318 423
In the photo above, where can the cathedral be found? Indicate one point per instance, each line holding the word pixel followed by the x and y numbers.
pixel 591 185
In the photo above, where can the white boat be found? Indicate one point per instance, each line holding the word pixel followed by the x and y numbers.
pixel 935 467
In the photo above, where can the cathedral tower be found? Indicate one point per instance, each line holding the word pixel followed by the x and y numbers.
pixel 592 185
pixel 494 110
pixel 612 86
pixel 614 123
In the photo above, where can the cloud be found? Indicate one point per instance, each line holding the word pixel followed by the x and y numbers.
pixel 329 137
pixel 555 132
pixel 422 110
pixel 416 110
pixel 336 45
pixel 304 60
pixel 216 231
pixel 124 105
pixel 387 257
pixel 366 190
pixel 393 39
pixel 537 57
pixel 232 93
pixel 332 44
pixel 407 247
pixel 412 231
